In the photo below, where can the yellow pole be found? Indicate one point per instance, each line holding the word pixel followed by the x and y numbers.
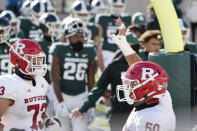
pixel 170 28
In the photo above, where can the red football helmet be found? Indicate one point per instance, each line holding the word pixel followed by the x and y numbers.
pixel 27 56
pixel 142 81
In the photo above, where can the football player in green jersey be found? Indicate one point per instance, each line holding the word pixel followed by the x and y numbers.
pixel 51 28
pixel 14 23
pixel 29 26
pixel 107 25
pixel 5 28
pixel 97 7
pixel 81 10
pixel 72 70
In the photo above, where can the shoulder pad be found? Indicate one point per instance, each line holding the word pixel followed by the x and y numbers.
pixel 42 80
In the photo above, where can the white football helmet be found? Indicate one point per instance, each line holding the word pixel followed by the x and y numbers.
pixel 117 7
pixel 98 6
pixel 52 22
pixel 37 9
pixel 13 21
pixel 25 9
pixel 4 30
pixel 52 124
pixel 81 10
pixel 48 6
pixel 74 26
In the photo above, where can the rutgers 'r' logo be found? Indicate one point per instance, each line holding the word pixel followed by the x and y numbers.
pixel 19 48
pixel 147 72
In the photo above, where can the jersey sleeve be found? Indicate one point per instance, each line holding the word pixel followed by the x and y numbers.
pixel 7 89
pixel 54 50
pixel 95 30
pixel 97 91
pixel 99 19
pixel 92 52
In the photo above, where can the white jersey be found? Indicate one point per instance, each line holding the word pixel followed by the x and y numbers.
pixel 29 102
pixel 157 118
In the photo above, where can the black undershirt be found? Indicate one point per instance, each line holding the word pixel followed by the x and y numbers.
pixel 25 77
pixel 148 104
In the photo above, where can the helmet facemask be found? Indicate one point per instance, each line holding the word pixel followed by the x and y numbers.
pixel 4 34
pixel 131 87
pixel 75 27
pixel 36 64
pixel 14 28
pixel 54 28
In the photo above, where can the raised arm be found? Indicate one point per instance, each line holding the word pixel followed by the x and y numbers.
pixel 126 49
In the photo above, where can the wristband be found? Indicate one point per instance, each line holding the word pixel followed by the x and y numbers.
pixel 121 41
pixel 121 26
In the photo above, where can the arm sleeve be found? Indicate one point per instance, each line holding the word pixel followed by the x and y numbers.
pixel 54 50
pixel 93 52
pixel 97 91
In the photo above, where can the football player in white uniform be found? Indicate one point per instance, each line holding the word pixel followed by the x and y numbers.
pixel 23 94
pixel 144 86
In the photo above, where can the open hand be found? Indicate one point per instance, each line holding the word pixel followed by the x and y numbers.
pixel 121 27
pixel 75 114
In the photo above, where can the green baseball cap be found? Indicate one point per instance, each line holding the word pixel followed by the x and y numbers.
pixel 138 18
pixel 132 38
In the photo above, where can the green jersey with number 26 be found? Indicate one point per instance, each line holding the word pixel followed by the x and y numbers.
pixel 74 66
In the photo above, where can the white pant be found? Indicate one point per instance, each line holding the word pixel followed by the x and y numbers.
pixel 73 102
pixel 51 96
pixel 107 57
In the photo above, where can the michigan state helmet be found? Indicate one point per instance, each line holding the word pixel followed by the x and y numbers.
pixel 4 30
pixel 74 26
pixel 98 6
pixel 81 10
pixel 37 9
pixel 52 22
pixel 25 9
pixel 13 21
pixel 117 7
pixel 48 6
